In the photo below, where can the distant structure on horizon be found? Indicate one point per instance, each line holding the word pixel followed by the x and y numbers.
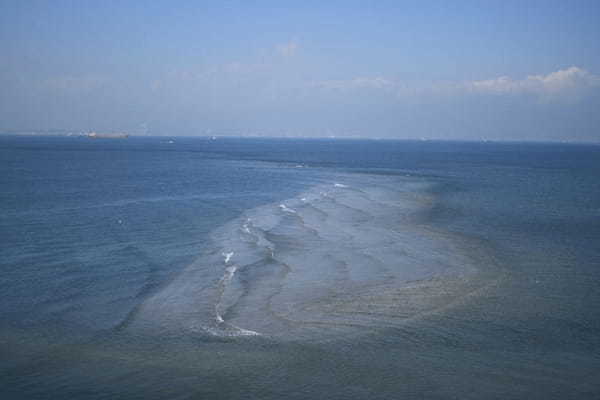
pixel 68 133
pixel 99 135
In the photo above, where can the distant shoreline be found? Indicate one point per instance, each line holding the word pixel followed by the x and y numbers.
pixel 118 135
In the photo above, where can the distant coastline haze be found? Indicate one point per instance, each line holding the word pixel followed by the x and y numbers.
pixel 439 70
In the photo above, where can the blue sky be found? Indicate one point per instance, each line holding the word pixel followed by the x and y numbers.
pixel 502 70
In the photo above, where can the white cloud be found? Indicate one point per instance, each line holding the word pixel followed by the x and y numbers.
pixel 270 82
pixel 503 84
pixel 568 82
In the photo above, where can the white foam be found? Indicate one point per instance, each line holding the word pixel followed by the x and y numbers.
pixel 229 272
pixel 227 256
pixel 245 332
pixel 340 185
pixel 287 209
pixel 246 225
pixel 226 329
pixel 230 331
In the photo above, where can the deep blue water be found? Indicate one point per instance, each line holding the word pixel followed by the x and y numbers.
pixel 278 268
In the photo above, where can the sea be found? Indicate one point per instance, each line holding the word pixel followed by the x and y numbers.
pixel 263 268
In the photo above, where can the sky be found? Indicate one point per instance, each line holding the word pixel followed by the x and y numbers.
pixel 492 70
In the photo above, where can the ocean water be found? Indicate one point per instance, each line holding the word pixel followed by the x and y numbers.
pixel 192 268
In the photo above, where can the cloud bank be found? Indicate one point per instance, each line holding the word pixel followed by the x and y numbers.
pixel 566 84
pixel 278 93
